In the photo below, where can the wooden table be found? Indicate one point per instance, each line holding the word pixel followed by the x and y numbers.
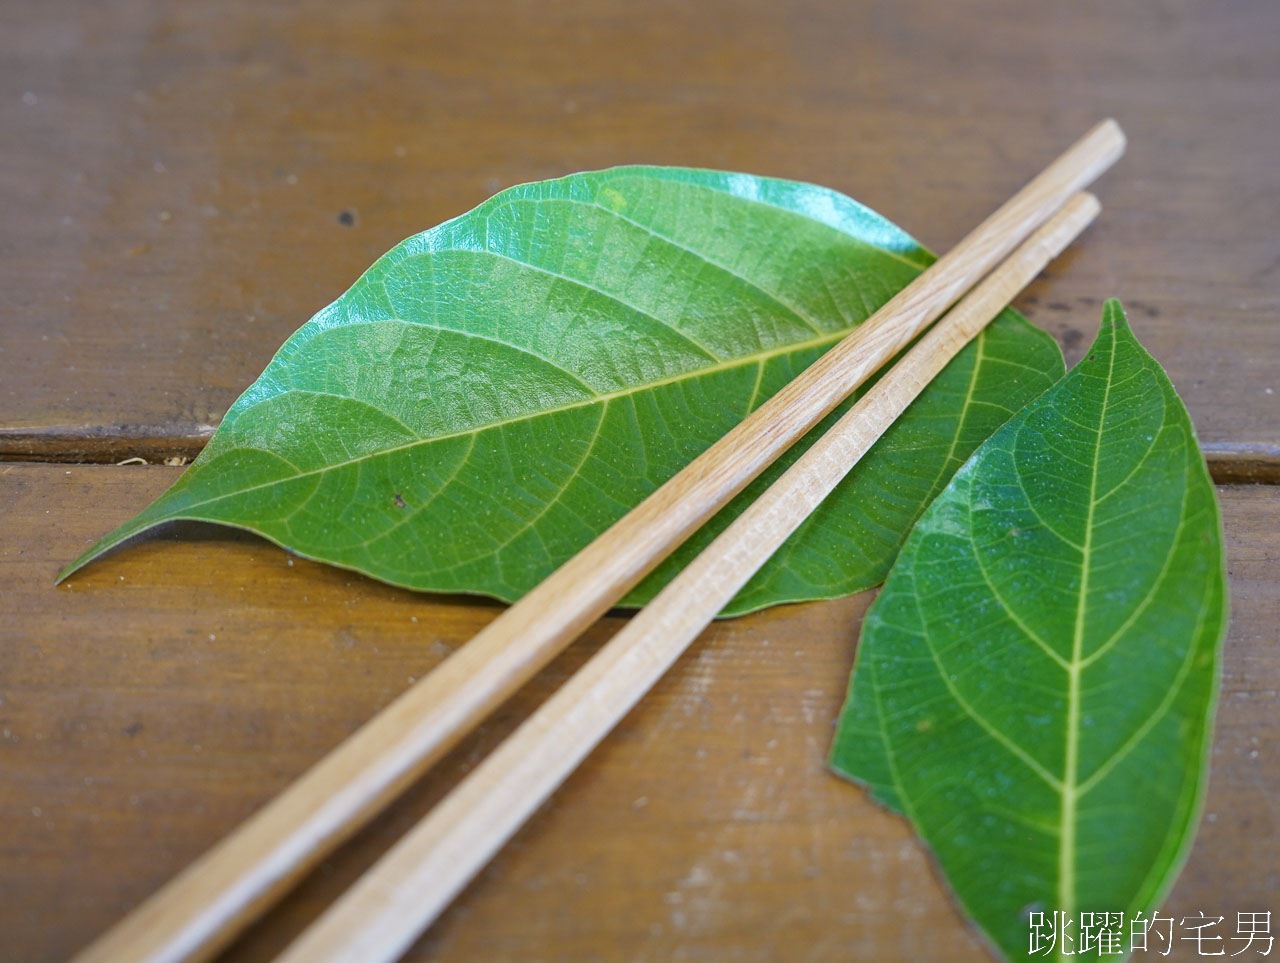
pixel 184 183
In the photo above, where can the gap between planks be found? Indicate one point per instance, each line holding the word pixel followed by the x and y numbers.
pixel 1230 463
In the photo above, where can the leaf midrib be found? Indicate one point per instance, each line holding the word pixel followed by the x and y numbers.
pixel 760 358
pixel 1070 765
pixel 1070 788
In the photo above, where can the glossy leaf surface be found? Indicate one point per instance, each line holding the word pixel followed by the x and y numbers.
pixel 1034 687
pixel 496 391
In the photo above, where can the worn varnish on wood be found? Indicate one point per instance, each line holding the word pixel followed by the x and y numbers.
pixel 184 184
pixel 178 684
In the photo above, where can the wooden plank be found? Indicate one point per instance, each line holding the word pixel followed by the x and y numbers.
pixel 185 183
pixel 173 687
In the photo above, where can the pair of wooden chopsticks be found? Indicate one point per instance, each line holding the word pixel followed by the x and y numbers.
pixel 204 907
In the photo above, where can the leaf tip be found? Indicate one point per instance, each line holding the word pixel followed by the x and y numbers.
pixel 1113 315
pixel 128 530
pixel 84 559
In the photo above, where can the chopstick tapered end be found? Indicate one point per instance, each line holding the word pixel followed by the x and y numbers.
pixel 1109 132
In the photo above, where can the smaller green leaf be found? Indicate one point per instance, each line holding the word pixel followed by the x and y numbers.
pixel 1034 687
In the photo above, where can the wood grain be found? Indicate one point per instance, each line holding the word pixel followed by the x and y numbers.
pixel 704 828
pixel 184 184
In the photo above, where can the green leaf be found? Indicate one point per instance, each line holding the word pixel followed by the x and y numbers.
pixel 1034 687
pixel 496 391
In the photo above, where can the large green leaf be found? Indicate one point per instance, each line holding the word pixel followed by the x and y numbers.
pixel 496 391
pixel 1034 687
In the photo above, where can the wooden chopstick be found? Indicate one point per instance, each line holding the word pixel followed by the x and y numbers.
pixel 390 906
pixel 199 911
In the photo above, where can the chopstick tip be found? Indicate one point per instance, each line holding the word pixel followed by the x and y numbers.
pixel 1110 128
pixel 1088 201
